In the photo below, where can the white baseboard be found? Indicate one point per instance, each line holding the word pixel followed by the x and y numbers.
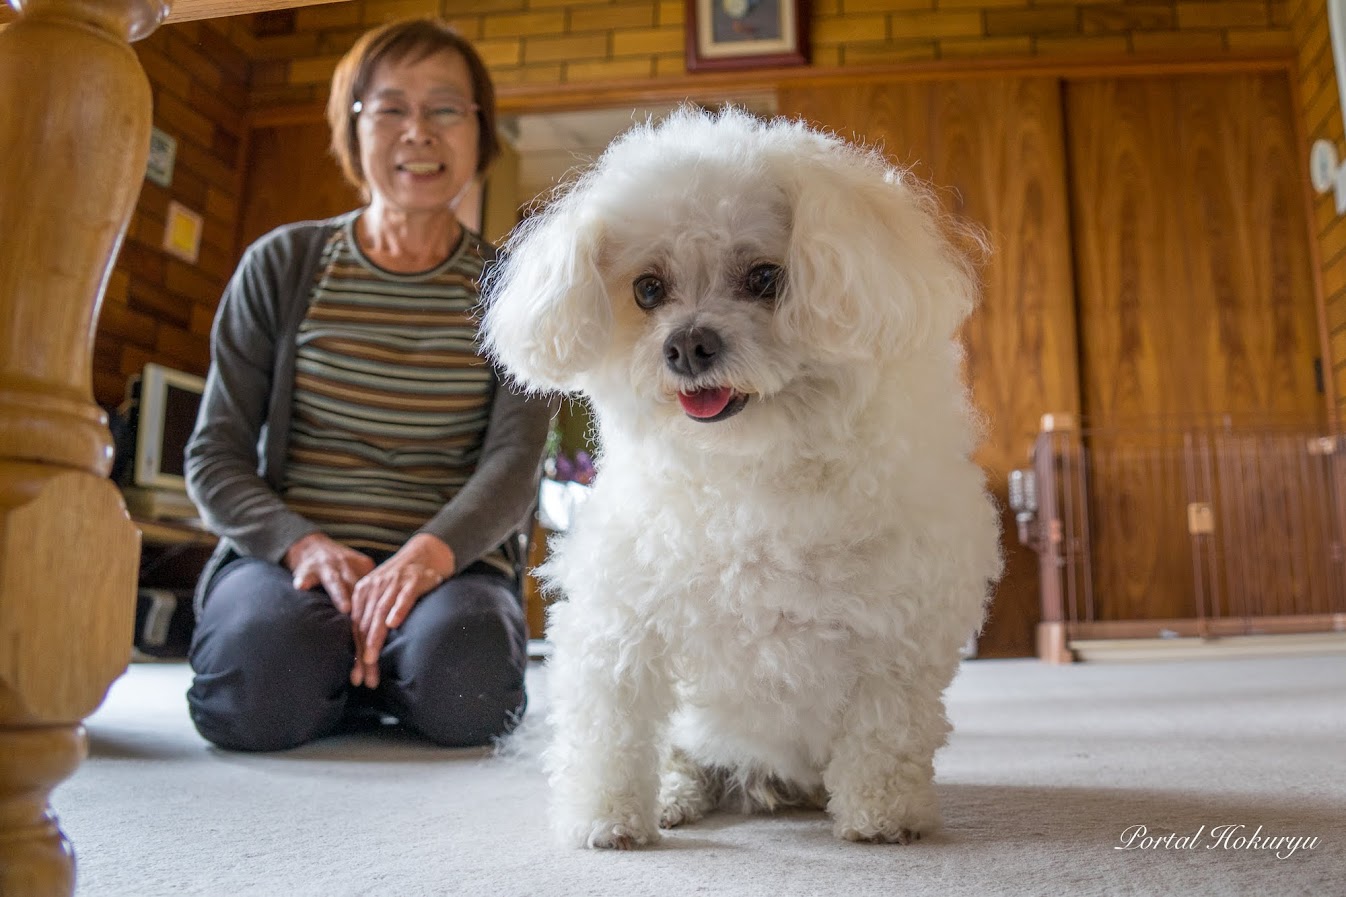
pixel 1139 649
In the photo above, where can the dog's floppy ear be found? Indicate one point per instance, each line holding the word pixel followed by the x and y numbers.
pixel 872 271
pixel 547 318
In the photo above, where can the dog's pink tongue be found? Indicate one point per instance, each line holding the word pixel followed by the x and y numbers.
pixel 706 402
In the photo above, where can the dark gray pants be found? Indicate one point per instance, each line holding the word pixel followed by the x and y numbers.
pixel 273 663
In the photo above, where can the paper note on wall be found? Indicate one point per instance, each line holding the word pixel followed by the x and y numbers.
pixel 182 232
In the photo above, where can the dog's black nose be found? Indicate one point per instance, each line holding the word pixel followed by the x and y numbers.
pixel 692 351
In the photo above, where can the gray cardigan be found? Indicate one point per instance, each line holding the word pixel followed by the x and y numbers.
pixel 236 456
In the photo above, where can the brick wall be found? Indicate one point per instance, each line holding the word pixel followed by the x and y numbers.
pixel 1321 114
pixel 158 308
pixel 542 42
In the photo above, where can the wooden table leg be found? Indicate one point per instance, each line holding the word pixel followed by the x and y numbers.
pixel 73 142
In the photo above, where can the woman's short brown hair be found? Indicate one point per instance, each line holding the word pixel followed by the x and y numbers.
pixel 413 40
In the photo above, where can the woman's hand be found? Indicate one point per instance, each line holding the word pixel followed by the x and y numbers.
pixel 317 559
pixel 383 598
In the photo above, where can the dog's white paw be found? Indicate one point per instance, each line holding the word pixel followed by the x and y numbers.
pixel 878 836
pixel 607 834
pixel 891 818
pixel 676 812
pixel 687 791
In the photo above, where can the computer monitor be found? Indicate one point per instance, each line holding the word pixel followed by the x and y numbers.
pixel 165 418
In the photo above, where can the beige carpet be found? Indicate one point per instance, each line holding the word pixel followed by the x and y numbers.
pixel 1047 769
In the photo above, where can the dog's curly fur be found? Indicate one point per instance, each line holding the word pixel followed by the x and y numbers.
pixel 762 608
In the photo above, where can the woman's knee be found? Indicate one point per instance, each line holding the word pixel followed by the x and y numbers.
pixel 270 664
pixel 254 619
pixel 461 683
pixel 238 715
pixel 468 716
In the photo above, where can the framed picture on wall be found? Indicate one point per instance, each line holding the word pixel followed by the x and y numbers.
pixel 746 34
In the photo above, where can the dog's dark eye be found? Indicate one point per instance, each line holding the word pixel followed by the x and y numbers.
pixel 649 291
pixel 764 281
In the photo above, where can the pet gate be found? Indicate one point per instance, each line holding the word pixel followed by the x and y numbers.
pixel 1197 531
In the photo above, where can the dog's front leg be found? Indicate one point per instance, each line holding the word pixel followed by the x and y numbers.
pixel 880 778
pixel 610 699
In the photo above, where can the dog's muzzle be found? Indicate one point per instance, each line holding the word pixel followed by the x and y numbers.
pixel 691 352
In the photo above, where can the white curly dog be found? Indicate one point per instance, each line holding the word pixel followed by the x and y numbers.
pixel 787 543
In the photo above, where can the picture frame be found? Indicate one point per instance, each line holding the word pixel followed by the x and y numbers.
pixel 163 154
pixel 746 34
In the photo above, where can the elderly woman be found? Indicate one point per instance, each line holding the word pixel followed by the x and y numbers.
pixel 366 470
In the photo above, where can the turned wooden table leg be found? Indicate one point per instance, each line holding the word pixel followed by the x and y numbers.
pixel 73 140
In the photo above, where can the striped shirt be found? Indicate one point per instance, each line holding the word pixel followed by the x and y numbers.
pixel 391 398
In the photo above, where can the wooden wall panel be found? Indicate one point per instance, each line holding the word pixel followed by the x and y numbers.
pixel 1129 251
pixel 995 147
pixel 292 177
pixel 1193 265
pixel 1248 245
pixel 1196 300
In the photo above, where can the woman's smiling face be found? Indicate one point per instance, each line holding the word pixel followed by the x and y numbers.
pixel 418 132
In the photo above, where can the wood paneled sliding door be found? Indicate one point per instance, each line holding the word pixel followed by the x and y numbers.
pixel 1195 285
pixel 1195 300
pixel 995 147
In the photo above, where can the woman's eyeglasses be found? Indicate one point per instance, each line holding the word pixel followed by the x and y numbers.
pixel 388 116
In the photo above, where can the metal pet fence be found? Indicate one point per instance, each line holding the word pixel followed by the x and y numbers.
pixel 1198 530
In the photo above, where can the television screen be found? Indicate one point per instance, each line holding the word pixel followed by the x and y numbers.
pixel 180 407
pixel 169 401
